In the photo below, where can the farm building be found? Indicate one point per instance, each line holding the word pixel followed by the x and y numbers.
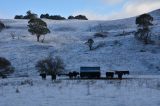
pixel 90 72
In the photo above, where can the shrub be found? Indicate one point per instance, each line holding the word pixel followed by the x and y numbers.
pixel 5 67
pixel 102 35
pixel 116 42
pixel 142 50
pixel 25 82
pixel 17 90
pixel 100 45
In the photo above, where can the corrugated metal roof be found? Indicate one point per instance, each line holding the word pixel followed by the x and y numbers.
pixel 89 69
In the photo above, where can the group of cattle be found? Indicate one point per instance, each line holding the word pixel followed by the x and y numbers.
pixel 90 73
pixel 95 75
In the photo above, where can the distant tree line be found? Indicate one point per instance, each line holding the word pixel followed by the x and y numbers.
pixel 80 17
pixel 30 15
pixel 53 17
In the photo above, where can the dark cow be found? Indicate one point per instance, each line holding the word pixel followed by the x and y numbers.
pixel 73 74
pixel 109 74
pixel 121 73
pixel 43 75
pixel 53 76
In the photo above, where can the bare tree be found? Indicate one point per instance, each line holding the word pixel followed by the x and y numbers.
pixel 51 66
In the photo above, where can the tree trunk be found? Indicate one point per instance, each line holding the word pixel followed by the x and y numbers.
pixel 38 36
pixel 43 39
pixel 43 76
pixel 90 47
pixel 53 76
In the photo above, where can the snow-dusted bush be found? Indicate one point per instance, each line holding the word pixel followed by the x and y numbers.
pixel 142 50
pixel 29 82
pixel 50 66
pixel 5 67
pixel 12 35
pixel 100 45
pixel 116 42
pixel 17 90
pixel 100 34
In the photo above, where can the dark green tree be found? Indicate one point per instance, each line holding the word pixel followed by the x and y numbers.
pixel 81 17
pixel 18 17
pixel 38 27
pixel 71 17
pixel 45 16
pixel 6 67
pixel 57 17
pixel 144 22
pixel 90 43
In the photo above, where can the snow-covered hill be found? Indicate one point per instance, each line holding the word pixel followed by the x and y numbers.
pixel 67 40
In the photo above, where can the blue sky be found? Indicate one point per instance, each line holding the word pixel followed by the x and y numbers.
pixel 93 9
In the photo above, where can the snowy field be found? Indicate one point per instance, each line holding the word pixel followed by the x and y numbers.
pixel 144 91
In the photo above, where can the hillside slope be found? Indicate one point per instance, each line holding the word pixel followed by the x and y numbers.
pixel 67 40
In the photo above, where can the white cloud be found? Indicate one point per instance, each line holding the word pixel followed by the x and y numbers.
pixel 136 7
pixel 112 1
pixel 130 8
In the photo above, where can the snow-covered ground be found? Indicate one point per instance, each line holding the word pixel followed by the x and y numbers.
pixel 143 91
